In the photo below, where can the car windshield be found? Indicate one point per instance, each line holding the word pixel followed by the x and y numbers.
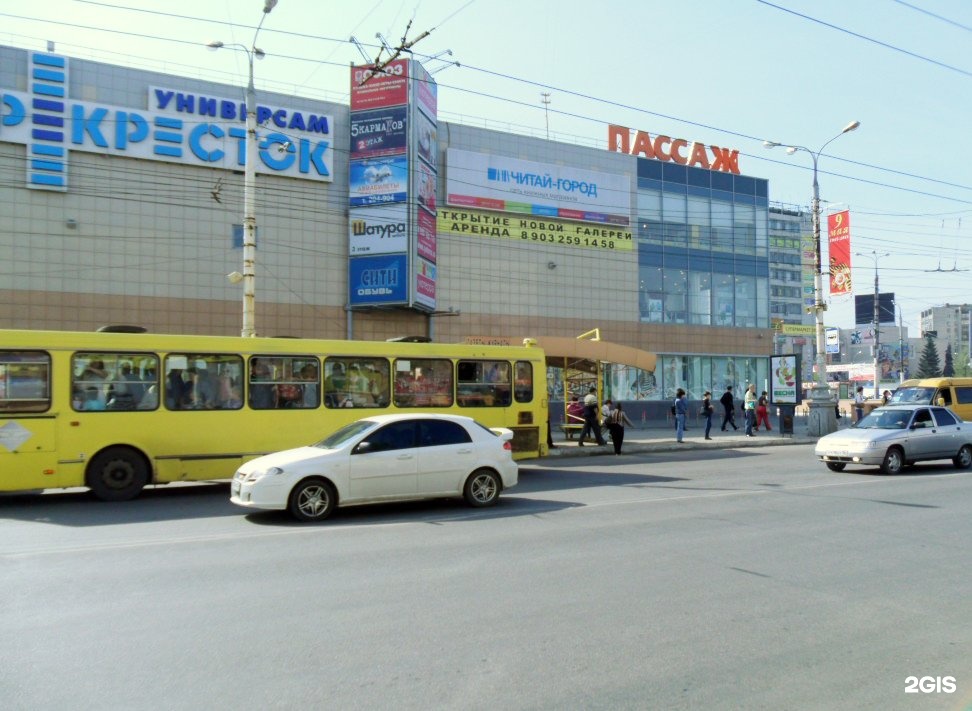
pixel 907 396
pixel 884 419
pixel 337 439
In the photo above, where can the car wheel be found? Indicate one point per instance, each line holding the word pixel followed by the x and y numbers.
pixel 963 460
pixel 893 461
pixel 312 500
pixel 482 488
pixel 117 474
pixel 836 466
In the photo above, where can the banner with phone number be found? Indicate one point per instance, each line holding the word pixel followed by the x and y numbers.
pixel 531 230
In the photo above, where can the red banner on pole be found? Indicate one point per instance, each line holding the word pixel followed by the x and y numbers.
pixel 838 230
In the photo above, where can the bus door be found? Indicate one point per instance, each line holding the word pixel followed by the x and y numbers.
pixel 28 452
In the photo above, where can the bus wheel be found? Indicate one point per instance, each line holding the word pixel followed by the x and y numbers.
pixel 117 474
pixel 482 488
pixel 312 500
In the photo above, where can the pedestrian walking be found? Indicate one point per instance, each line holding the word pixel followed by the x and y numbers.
pixel 762 412
pixel 706 412
pixel 606 410
pixel 749 407
pixel 615 424
pixel 730 407
pixel 681 410
pixel 859 403
pixel 591 425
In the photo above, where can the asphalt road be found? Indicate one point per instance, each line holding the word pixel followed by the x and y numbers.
pixel 738 579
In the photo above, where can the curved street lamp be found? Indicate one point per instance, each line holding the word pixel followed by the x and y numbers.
pixel 249 178
pixel 822 419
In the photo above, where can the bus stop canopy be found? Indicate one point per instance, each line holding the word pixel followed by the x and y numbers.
pixel 581 353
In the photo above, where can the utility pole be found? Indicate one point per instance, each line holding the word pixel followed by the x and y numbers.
pixel 545 100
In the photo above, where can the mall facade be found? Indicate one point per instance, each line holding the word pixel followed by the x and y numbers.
pixel 122 202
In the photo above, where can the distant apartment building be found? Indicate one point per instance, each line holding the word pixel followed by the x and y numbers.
pixel 791 264
pixel 951 324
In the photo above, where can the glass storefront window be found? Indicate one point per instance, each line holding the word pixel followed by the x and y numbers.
pixel 651 294
pixel 723 293
pixel 650 204
pixel 745 301
pixel 700 298
pixel 673 207
pixel 698 380
pixel 673 374
pixel 676 296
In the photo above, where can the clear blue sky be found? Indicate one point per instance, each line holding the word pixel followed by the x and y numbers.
pixel 728 72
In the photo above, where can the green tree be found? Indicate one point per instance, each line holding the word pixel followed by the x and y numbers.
pixel 928 365
pixel 948 370
pixel 962 368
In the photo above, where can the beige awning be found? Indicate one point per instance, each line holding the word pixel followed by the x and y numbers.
pixel 577 350
pixel 557 348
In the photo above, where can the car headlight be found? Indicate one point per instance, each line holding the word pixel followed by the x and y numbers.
pixel 261 473
pixel 873 444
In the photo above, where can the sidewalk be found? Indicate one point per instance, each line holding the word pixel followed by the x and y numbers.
pixel 661 438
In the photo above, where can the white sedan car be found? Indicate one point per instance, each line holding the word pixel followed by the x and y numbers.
pixel 382 458
pixel 896 436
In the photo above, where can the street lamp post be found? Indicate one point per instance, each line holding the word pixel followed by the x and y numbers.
pixel 877 321
pixel 821 419
pixel 249 179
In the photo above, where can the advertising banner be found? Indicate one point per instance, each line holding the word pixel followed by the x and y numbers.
pixel 833 340
pixel 426 242
pixel 425 179
pixel 426 140
pixel 426 92
pixel 378 230
pixel 784 379
pixel 381 279
pixel 838 231
pixel 425 278
pixel 375 91
pixel 380 132
pixel 524 228
pixel 479 180
pixel 378 181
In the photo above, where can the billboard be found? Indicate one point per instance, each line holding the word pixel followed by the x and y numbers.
pixel 392 187
pixel 378 230
pixel 380 132
pixel 838 233
pixel 378 181
pixel 371 90
pixel 529 229
pixel 864 308
pixel 483 181
pixel 380 279
pixel 785 385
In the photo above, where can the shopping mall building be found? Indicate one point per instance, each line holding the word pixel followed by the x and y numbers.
pixel 122 202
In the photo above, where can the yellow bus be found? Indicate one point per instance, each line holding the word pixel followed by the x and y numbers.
pixel 117 411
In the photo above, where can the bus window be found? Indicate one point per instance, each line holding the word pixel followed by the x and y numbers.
pixel 483 383
pixel 114 381
pixel 284 382
pixel 25 381
pixel 198 381
pixel 356 382
pixel 423 382
pixel 523 387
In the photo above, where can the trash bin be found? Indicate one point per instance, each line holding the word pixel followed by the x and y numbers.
pixel 786 419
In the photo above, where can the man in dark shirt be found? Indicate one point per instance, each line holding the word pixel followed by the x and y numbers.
pixel 727 404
